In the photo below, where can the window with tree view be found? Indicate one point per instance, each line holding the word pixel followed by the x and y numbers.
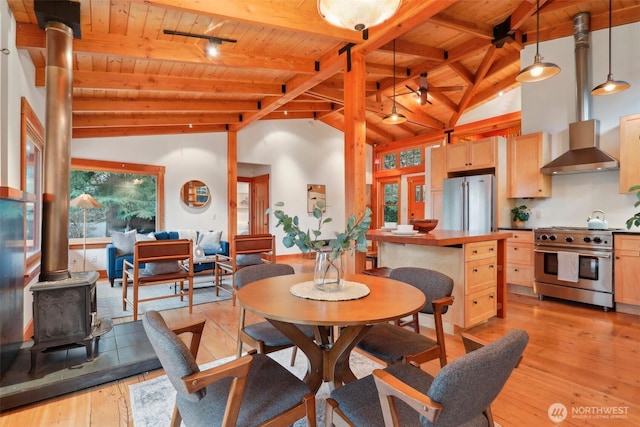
pixel 129 197
pixel 402 159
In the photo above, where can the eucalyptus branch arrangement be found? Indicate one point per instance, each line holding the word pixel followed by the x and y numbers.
pixel 353 238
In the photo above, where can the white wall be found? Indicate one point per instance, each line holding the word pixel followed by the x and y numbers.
pixel 200 157
pixel 300 152
pixel 550 106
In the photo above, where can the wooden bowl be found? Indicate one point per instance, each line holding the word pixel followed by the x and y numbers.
pixel 424 225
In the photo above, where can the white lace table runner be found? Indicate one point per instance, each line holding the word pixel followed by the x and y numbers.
pixel 351 290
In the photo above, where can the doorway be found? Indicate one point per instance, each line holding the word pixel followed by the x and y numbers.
pixel 253 201
pixel 416 194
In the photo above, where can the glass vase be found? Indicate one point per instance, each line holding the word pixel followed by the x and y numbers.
pixel 328 273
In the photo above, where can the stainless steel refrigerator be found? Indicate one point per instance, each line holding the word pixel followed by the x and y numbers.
pixel 469 203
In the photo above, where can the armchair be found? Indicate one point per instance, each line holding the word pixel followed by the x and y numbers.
pixel 233 394
pixel 404 395
pixel 162 260
pixel 245 249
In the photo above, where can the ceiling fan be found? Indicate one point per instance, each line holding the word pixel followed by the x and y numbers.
pixel 424 88
pixel 213 40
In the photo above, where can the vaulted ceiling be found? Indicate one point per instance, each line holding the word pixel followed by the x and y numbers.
pixel 130 78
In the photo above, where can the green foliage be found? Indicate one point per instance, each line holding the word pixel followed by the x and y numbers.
pixel 521 213
pixel 635 219
pixel 353 238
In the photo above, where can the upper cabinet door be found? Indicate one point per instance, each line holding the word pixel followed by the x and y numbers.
pixel 438 168
pixel 471 155
pixel 629 152
pixel 526 155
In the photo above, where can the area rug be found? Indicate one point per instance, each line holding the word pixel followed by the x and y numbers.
pixel 110 299
pixel 152 401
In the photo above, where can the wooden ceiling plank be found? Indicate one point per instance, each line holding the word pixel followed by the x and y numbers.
pixel 31 36
pixel 301 18
pixel 467 27
pixel 102 132
pixel 408 48
pixel 444 100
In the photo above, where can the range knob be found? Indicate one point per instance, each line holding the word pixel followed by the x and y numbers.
pixel 568 239
pixel 552 237
pixel 597 240
pixel 543 237
pixel 587 239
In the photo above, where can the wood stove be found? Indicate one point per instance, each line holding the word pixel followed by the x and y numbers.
pixel 64 315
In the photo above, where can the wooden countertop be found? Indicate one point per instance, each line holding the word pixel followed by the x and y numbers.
pixel 438 237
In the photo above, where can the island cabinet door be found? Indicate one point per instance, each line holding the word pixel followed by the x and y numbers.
pixel 479 306
pixel 479 250
pixel 480 274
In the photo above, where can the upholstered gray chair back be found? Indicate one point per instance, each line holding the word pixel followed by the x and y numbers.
pixel 433 284
pixel 251 273
pixel 174 355
pixel 468 385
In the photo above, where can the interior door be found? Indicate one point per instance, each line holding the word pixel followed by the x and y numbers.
pixel 416 195
pixel 389 208
pixel 259 222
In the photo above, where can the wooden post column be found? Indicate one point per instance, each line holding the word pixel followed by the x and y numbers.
pixel 232 183
pixel 355 153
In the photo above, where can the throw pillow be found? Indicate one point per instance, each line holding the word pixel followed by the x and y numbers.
pixel 124 242
pixel 210 240
pixel 144 237
pixel 248 259
pixel 163 267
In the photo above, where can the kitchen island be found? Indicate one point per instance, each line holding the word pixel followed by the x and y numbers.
pixel 475 261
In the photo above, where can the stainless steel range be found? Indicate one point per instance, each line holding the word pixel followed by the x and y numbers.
pixel 575 264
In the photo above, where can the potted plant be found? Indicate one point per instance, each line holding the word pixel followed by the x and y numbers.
pixel 329 268
pixel 635 219
pixel 521 215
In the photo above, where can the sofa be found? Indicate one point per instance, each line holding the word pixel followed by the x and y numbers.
pixel 121 248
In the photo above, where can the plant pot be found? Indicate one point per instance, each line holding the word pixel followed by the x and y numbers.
pixel 328 272
pixel 519 224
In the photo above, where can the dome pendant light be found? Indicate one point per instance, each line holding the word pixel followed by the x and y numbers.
pixel 394 118
pixel 610 86
pixel 357 14
pixel 538 70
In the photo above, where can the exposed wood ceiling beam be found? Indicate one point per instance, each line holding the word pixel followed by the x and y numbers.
pixel 471 28
pixel 105 132
pixel 81 120
pixel 138 105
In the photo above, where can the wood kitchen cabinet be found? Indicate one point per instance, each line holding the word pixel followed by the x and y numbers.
pixel 472 155
pixel 520 258
pixel 480 281
pixel 627 269
pixel 629 152
pixel 526 155
pixel 438 168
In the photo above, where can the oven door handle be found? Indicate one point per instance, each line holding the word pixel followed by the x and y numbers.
pixel 594 254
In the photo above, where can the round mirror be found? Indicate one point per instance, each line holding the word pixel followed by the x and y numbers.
pixel 195 194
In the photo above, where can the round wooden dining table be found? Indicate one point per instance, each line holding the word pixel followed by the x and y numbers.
pixel 329 360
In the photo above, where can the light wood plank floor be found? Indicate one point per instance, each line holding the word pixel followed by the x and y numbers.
pixel 579 356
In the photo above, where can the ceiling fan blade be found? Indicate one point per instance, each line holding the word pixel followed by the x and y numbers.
pixel 410 88
pixel 199 36
pixel 445 88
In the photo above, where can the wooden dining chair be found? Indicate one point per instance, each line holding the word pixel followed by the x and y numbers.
pixel 163 262
pixel 404 395
pixel 250 391
pixel 393 343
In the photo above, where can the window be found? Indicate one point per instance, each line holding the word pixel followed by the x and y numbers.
pixel 403 159
pixel 132 196
pixel 31 169
pixel 390 206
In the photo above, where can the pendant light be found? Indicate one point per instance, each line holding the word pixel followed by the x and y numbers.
pixel 394 118
pixel 538 70
pixel 610 86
